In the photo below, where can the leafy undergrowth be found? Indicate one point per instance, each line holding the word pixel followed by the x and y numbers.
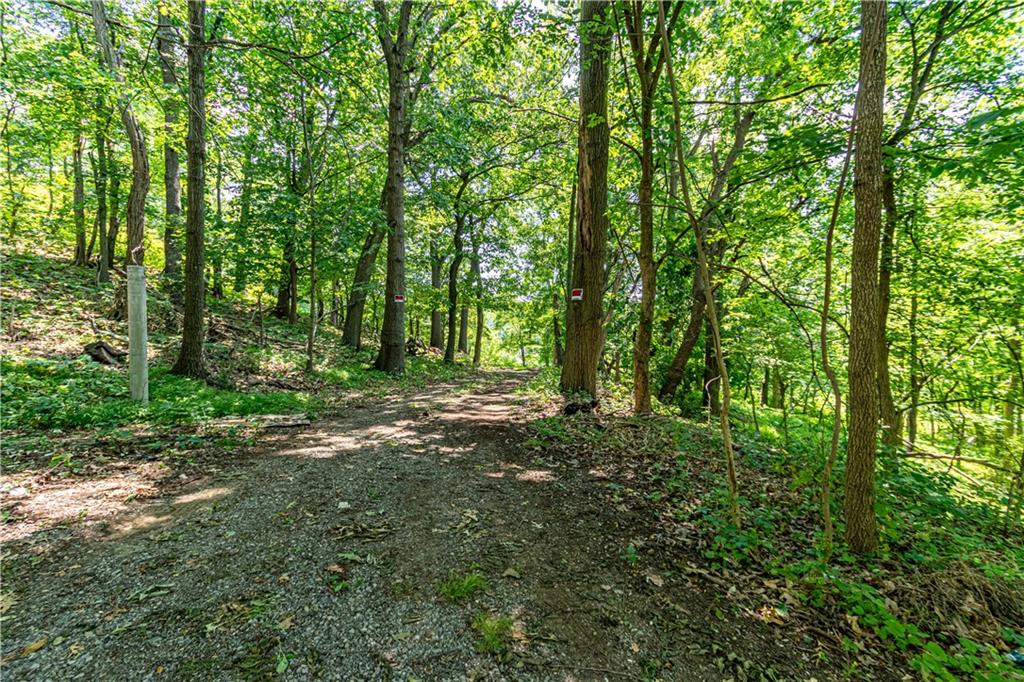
pixel 943 595
pixel 52 391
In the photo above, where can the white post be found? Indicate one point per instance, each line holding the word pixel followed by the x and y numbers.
pixel 138 355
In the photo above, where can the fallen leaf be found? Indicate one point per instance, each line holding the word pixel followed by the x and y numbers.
pixel 27 650
pixel 634 647
pixel 286 622
pixel 510 573
pixel 655 580
pixel 337 568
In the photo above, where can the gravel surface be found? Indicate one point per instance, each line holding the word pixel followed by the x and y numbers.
pixel 321 556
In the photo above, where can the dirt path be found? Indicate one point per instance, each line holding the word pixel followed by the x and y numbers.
pixel 321 558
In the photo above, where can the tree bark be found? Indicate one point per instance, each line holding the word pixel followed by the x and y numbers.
pixel 648 60
pixel 886 405
pixel 283 304
pixel 858 504
pixel 454 334
pixel 464 329
pixel 190 360
pixel 584 327
pixel 172 175
pixel 115 199
pixel 436 324
pixel 79 200
pixel 353 331
pixel 478 285
pixel 391 357
pixel 140 161
pixel 241 274
pixel 217 257
pixel 711 388
pixel 674 375
pixel 102 270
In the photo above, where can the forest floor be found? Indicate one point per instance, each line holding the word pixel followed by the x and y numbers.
pixel 446 524
pixel 419 536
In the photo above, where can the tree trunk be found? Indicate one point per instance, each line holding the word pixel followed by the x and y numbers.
pixel 886 406
pixel 282 306
pixel 858 505
pixel 711 388
pixel 391 357
pixel 102 271
pixel 648 60
pixel 570 254
pixel 778 389
pixel 556 330
pixel 79 199
pixel 140 161
pixel 474 263
pixel 115 200
pixel 1011 392
pixel 674 375
pixel 335 304
pixel 217 257
pixel 648 270
pixel 93 163
pixel 190 360
pixel 464 329
pixel 742 125
pixel 915 379
pixel 453 289
pixel 241 274
pixel 584 327
pixel 172 175
pixel 352 333
pixel 310 178
pixel 436 323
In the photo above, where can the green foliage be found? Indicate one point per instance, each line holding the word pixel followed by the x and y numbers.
pixel 459 587
pixel 494 633
pixel 45 394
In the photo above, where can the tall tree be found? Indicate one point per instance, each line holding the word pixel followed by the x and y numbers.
pixel 436 319
pixel 858 504
pixel 102 271
pixel 140 160
pixel 458 247
pixel 190 360
pixel 585 322
pixel 648 60
pixel 79 199
pixel 397 47
pixel 172 179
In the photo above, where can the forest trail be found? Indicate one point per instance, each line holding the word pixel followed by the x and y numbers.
pixel 321 556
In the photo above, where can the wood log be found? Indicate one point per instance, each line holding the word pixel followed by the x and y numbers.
pixel 105 354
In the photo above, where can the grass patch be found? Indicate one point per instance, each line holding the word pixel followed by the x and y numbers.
pixel 459 587
pixel 494 633
pixel 41 394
